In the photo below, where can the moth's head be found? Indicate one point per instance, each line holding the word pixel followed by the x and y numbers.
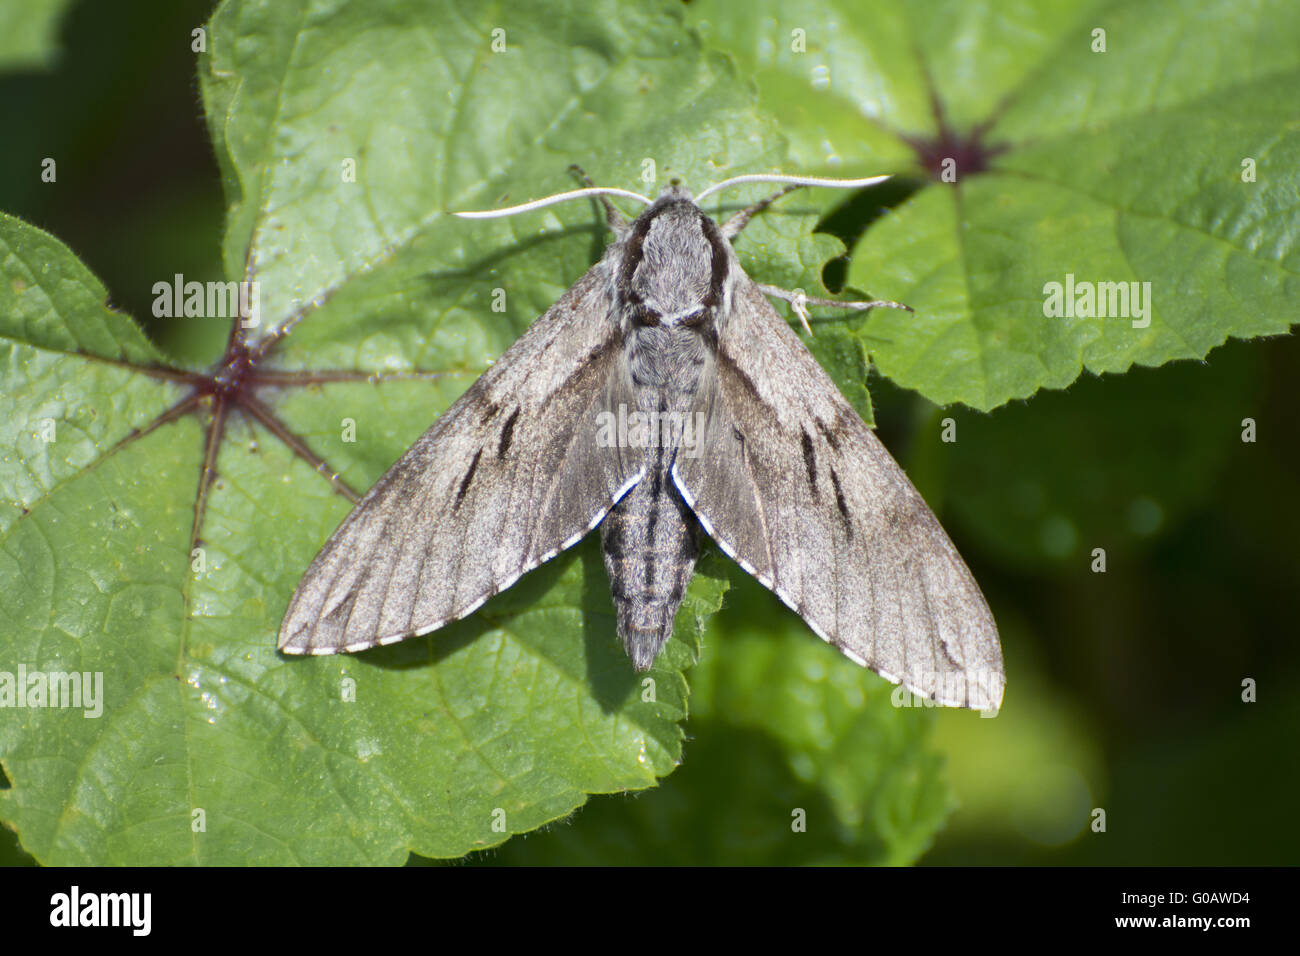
pixel 675 190
pixel 673 265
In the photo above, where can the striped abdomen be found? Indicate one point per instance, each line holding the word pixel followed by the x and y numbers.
pixel 650 540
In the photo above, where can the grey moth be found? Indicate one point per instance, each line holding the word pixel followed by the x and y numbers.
pixel 664 401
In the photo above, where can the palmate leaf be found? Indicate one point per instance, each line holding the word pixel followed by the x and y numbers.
pixel 1171 157
pixel 155 520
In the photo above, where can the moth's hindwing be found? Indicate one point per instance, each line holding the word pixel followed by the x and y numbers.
pixel 798 490
pixel 508 477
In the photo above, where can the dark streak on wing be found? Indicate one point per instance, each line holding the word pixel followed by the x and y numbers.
pixel 469 476
pixel 839 503
pixel 828 433
pixel 810 462
pixel 507 433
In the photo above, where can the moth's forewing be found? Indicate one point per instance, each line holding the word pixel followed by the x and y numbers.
pixel 796 488
pixel 508 477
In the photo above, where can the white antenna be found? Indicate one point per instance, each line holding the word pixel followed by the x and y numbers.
pixel 552 200
pixel 793 181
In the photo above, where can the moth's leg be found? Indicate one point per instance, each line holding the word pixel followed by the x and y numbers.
pixel 797 299
pixel 616 221
pixel 800 302
pixel 731 228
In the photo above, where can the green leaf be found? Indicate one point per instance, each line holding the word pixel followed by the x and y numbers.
pixel 59 414
pixel 125 552
pixel 29 33
pixel 795 755
pixel 1119 166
